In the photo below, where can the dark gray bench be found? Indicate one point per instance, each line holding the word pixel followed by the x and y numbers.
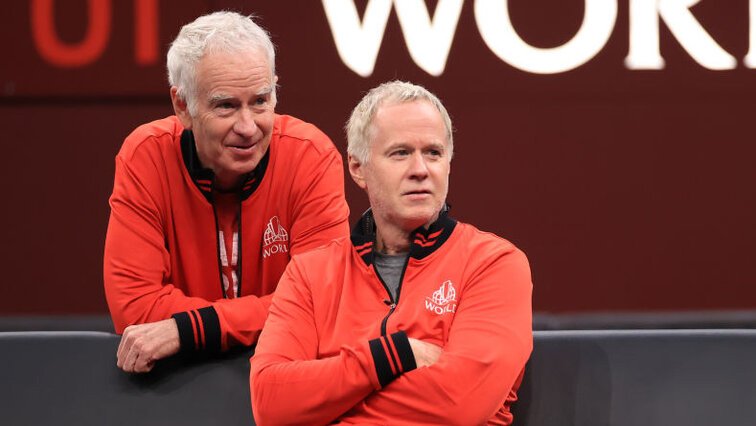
pixel 665 378
pixel 71 378
pixel 640 377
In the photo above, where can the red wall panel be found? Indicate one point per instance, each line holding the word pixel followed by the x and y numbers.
pixel 628 189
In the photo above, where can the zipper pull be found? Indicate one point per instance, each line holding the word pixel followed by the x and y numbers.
pixel 389 303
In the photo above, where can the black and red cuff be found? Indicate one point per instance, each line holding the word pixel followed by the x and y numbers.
pixel 392 356
pixel 199 330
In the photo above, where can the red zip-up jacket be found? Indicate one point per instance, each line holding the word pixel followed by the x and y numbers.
pixel 335 345
pixel 162 253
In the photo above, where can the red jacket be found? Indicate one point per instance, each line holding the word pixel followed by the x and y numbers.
pixel 162 248
pixel 335 344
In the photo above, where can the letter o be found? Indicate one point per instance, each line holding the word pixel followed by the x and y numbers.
pixel 495 26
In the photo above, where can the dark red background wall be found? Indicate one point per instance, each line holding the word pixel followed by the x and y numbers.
pixel 628 189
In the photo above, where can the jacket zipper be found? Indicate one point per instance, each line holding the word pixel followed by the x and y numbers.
pixel 217 241
pixel 392 305
pixel 239 251
pixel 218 252
pixel 390 301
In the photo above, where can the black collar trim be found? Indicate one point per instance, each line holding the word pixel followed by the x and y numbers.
pixel 205 178
pixel 424 241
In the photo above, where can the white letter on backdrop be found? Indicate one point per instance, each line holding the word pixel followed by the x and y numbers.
pixel 429 41
pixel 644 35
pixel 750 58
pixel 497 31
pixel 358 42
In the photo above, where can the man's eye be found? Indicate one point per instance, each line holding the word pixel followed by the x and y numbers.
pixel 400 152
pixel 260 101
pixel 225 105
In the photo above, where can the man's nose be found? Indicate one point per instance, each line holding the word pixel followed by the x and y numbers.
pixel 418 166
pixel 245 124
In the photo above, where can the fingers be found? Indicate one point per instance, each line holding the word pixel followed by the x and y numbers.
pixel 142 345
pixel 130 351
pixel 426 354
pixel 136 361
pixel 124 348
pixel 132 356
pixel 143 364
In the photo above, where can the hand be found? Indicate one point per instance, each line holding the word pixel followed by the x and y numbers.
pixel 143 344
pixel 425 353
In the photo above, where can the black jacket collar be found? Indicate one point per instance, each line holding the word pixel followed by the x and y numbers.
pixel 424 241
pixel 205 178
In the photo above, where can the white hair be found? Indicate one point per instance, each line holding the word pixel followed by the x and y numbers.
pixel 359 128
pixel 219 31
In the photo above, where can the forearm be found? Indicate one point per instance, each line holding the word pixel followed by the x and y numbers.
pixel 288 388
pixel 213 325
pixel 137 299
pixel 292 381
pixel 455 390
pixel 307 391
pixel 241 319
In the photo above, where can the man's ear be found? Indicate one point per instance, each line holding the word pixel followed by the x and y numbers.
pixel 275 91
pixel 181 108
pixel 356 169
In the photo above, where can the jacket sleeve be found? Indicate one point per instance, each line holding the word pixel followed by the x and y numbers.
pixel 489 343
pixel 321 213
pixel 223 324
pixel 290 386
pixel 137 266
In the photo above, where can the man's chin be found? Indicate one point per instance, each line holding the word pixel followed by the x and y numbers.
pixel 244 167
pixel 422 218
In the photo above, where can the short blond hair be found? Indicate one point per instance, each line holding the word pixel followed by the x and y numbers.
pixel 359 128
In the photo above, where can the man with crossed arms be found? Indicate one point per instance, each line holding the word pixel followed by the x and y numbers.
pixel 415 319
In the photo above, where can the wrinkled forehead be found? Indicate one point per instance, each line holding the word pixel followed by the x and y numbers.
pixel 230 65
pixel 374 125
pixel 250 56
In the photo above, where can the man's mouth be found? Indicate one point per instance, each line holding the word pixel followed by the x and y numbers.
pixel 243 147
pixel 418 192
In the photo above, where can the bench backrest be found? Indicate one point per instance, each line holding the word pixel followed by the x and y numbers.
pixel 623 378
pixel 71 378
pixel 618 378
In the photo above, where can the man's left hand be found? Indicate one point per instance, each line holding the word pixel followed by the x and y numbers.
pixel 143 344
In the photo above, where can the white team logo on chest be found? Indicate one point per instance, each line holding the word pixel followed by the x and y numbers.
pixel 275 238
pixel 443 300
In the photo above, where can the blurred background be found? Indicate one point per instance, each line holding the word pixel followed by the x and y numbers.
pixel 611 140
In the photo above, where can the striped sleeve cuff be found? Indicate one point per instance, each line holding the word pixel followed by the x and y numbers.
pixel 392 356
pixel 199 330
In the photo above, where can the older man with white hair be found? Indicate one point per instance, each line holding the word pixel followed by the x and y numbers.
pixel 418 318
pixel 209 205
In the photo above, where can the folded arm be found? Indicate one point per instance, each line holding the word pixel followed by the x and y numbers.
pixel 489 343
pixel 290 385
